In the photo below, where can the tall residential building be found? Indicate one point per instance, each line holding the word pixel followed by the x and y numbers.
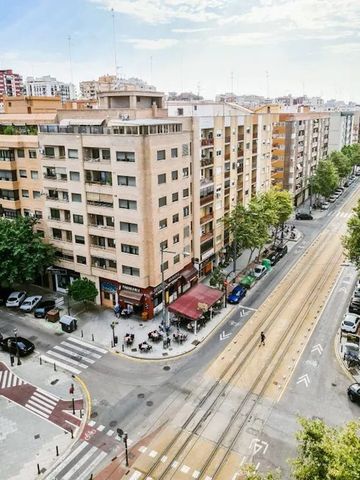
pixel 91 88
pixel 341 130
pixel 10 83
pixel 48 86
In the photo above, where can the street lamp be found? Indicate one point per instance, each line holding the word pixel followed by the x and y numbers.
pixel 112 325
pixel 17 347
pixel 124 436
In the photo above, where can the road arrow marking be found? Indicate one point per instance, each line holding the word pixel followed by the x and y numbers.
pixel 224 335
pixel 317 348
pixel 257 445
pixel 304 378
pixel 342 289
pixel 234 324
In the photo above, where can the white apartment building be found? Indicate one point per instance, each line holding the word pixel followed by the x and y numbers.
pixel 48 86
pixel 341 130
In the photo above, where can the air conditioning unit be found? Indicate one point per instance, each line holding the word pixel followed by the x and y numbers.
pixel 42 151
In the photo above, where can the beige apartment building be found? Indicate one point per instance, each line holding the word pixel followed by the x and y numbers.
pixel 119 184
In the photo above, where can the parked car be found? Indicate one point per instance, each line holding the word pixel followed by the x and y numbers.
pixel 356 293
pixel 349 348
pixel 43 308
pixel 17 344
pixel 237 294
pixel 30 302
pixel 248 281
pixel 4 294
pixel 274 256
pixel 324 205
pixel 282 249
pixel 303 216
pixel 354 392
pixel 259 271
pixel 15 299
pixel 332 198
pixel 354 306
pixel 350 323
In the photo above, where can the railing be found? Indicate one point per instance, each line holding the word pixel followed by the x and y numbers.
pixel 57 199
pixel 206 237
pixel 60 178
pixel 104 227
pixel 207 199
pixel 207 141
pixel 96 160
pixel 205 162
pixel 100 204
pixel 206 218
pixel 227 139
pixel 206 182
pixel 99 182
pixel 227 174
pixel 60 220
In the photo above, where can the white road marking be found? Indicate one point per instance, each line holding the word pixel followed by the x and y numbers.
pixel 175 464
pixel 196 474
pixel 153 454
pixel 109 433
pixel 142 449
pixel 67 359
pixel 73 354
pixel 91 423
pixel 184 469
pixel 101 428
pixel 46 409
pixel 164 458
pixel 68 459
pixel 85 474
pixel 81 350
pixel 136 475
pixel 39 412
pixel 45 358
pixel 79 463
pixel 87 345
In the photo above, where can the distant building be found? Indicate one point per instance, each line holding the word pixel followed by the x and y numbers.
pixel 23 104
pixel 10 83
pixel 91 88
pixel 341 130
pixel 48 86
pixel 247 101
pixel 184 97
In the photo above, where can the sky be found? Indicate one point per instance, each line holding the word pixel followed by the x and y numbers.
pixel 258 47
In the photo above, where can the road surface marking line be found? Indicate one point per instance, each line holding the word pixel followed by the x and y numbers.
pixel 91 423
pixel 175 464
pixel 82 350
pixel 39 412
pixel 208 478
pixel 46 408
pixel 109 433
pixel 185 469
pixel 43 402
pixel 142 449
pixel 42 397
pixel 67 359
pixel 47 394
pixel 4 379
pixel 60 364
pixel 84 344
pixel 1 375
pixel 101 428
pixel 68 459
pixel 164 458
pixel 196 474
pixel 9 380
pixel 72 424
pixel 79 464
pixel 153 453
pixel 136 475
pixel 73 354
pixel 85 474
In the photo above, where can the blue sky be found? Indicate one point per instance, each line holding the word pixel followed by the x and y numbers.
pixel 310 46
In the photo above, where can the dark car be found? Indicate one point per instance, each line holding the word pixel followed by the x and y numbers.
pixel 354 392
pixel 17 344
pixel 354 306
pixel 237 294
pixel 282 249
pixel 303 216
pixel 43 308
pixel 4 294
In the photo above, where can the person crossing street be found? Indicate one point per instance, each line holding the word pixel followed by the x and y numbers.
pixel 262 339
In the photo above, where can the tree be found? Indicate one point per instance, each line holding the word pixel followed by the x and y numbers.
pixel 342 163
pixel 353 153
pixel 83 289
pixel 325 180
pixel 351 241
pixel 9 130
pixel 24 255
pixel 279 202
pixel 249 473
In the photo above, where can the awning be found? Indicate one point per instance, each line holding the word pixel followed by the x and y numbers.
pixel 134 298
pixel 188 304
pixel 189 274
pixel 65 122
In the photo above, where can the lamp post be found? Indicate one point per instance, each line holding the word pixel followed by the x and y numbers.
pixel 17 347
pixel 124 436
pixel 112 325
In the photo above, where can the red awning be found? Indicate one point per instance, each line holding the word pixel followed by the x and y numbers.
pixel 188 304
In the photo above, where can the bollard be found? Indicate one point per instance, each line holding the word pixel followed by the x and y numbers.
pixel 12 360
pixel 72 433
pixel 91 477
pixel 123 347
pixel 57 451
pixel 82 333
pixel 54 367
pixel 81 414
pixel 71 389
pixel 73 405
pixel 38 469
pixel 92 337
pixel 40 360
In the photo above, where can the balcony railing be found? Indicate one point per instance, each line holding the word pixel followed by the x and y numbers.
pixel 60 177
pixel 57 199
pixel 206 218
pixel 96 160
pixel 205 142
pixel 60 220
pixel 207 236
pixel 206 162
pixel 100 204
pixel 207 199
pixel 227 139
pixel 103 227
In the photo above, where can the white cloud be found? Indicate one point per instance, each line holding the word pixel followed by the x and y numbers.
pixel 164 11
pixel 148 44
pixel 243 39
pixel 344 48
pixel 191 30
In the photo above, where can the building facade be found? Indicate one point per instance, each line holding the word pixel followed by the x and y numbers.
pixel 10 83
pixel 48 86
pixel 341 130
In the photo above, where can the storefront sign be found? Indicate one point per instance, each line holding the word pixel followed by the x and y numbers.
pixel 130 288
pixel 168 282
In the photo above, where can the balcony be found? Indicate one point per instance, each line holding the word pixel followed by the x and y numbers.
pixel 61 177
pixel 59 219
pixel 227 156
pixel 206 182
pixel 227 174
pixel 206 236
pixel 240 153
pixel 206 218
pixel 56 198
pixel 227 139
pixel 207 142
pixel 207 162
pixel 207 199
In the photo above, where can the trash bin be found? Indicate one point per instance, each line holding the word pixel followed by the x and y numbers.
pixel 52 316
pixel 68 323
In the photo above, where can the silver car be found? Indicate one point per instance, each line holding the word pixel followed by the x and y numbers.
pixel 30 302
pixel 350 324
pixel 15 299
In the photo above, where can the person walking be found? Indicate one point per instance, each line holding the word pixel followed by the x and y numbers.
pixel 262 339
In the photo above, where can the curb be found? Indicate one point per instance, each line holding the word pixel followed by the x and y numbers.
pixel 340 360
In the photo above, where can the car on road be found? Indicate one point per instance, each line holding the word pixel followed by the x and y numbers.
pixel 275 255
pixel 350 324
pixel 303 216
pixel 237 294
pixel 43 308
pixel 354 306
pixel 354 392
pixel 15 299
pixel 324 205
pixel 332 198
pixel 4 294
pixel 30 303
pixel 17 344
pixel 248 281
pixel 259 271
pixel 356 293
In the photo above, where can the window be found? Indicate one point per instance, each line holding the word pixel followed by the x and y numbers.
pixel 127 204
pixel 218 153
pixel 81 259
pixel 25 193
pixel 174 175
pixel 162 201
pixel 76 197
pixel 111 243
pixel 186 211
pixel 164 245
pixel 132 249
pixel 185 172
pixel 164 266
pixel 175 218
pixel 128 227
pixel 161 155
pixel 80 239
pixel 73 154
pixel 34 174
pixel 174 153
pixel 162 178
pixel 176 238
pixel 20 153
pixel 247 145
pixel 78 219
pixel 175 197
pixel 180 111
pixel 163 223
pixel 126 181
pixel 38 214
pixel 49 151
pixel 125 156
pixel 176 258
pixel 135 272
pixel 32 153
pixel 36 195
pixel 185 192
pixel 185 150
pixel 22 173
pixel 75 176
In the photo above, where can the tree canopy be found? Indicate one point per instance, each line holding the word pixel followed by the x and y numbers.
pixel 83 289
pixel 351 240
pixel 24 255
pixel 353 153
pixel 342 163
pixel 325 180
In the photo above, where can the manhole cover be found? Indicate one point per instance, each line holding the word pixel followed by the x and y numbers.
pixel 149 403
pixel 165 354
pixel 93 415
pixel 334 384
pixel 166 367
pixel 54 382
pixel 37 436
pixel 141 395
pixel 113 423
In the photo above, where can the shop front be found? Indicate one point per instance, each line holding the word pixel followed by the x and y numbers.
pixel 108 293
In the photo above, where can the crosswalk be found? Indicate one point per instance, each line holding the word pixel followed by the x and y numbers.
pixel 42 403
pixel 74 355
pixel 9 379
pixel 340 214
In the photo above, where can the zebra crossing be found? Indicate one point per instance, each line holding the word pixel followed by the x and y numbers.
pixel 340 214
pixel 9 379
pixel 42 403
pixel 74 355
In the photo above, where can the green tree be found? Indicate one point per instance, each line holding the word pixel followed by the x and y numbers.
pixel 24 255
pixel 249 473
pixel 342 163
pixel 279 202
pixel 9 130
pixel 351 241
pixel 83 289
pixel 353 153
pixel 325 180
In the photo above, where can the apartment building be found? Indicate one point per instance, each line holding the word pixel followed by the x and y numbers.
pixel 24 104
pixel 48 86
pixel 341 130
pixel 10 83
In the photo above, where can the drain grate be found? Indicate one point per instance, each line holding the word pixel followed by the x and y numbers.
pixel 141 395
pixel 149 403
pixel 166 367
pixel 113 423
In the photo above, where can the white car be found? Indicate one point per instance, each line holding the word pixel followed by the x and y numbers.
pixel 15 299
pixel 30 302
pixel 324 205
pixel 350 323
pixel 332 198
pixel 259 271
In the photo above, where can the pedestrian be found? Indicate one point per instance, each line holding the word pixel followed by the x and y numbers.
pixel 262 339
pixel 117 310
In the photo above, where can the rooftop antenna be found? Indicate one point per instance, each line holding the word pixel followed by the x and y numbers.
pixel 267 85
pixel 114 40
pixel 70 60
